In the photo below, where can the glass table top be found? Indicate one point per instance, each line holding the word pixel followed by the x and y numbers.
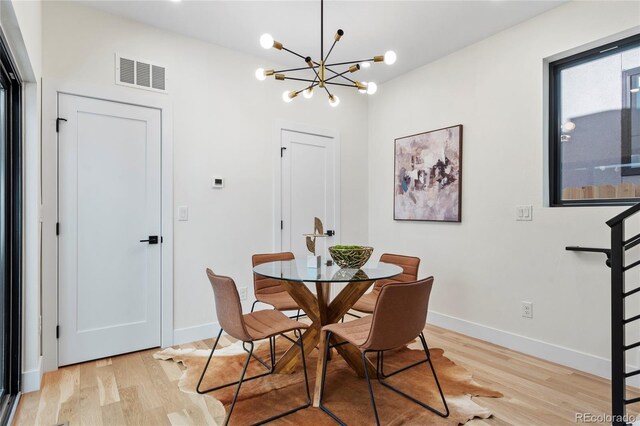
pixel 297 270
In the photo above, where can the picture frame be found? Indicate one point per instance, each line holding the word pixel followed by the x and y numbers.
pixel 428 176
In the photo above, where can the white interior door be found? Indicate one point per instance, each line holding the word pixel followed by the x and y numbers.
pixel 309 189
pixel 109 199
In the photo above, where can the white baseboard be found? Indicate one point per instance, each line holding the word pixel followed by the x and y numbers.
pixel 561 355
pixel 194 333
pixel 32 379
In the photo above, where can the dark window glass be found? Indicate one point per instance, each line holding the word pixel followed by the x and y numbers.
pixel 594 125
pixel 10 233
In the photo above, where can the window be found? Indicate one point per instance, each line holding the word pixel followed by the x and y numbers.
pixel 594 126
pixel 10 233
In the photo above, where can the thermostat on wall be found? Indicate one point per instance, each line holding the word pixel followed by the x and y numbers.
pixel 217 182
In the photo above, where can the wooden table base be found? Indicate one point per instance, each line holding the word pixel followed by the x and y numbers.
pixel 321 313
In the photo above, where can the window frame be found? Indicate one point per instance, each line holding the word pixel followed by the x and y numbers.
pixel 555 157
pixel 626 131
pixel 13 238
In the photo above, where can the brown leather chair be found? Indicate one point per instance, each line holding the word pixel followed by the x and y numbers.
pixel 398 318
pixel 409 265
pixel 249 328
pixel 268 290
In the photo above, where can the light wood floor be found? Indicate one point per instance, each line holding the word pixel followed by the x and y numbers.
pixel 135 389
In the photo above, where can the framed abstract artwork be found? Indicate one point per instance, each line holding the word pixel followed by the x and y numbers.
pixel 428 176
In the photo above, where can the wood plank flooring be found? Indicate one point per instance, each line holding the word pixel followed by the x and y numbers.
pixel 135 389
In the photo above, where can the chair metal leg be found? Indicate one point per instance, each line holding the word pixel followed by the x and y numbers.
pixel 422 404
pixel 253 305
pixel 204 370
pixel 271 355
pixel 250 354
pixel 322 383
pixel 400 370
pixel 235 396
pixel 351 315
pixel 366 374
pixel 300 344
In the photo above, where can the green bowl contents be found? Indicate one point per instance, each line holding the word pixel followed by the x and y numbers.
pixel 350 256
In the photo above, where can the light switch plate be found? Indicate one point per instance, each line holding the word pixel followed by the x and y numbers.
pixel 183 213
pixel 524 213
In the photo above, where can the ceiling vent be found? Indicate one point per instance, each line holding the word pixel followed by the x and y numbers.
pixel 140 74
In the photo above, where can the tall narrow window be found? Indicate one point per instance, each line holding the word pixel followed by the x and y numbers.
pixel 10 233
pixel 595 126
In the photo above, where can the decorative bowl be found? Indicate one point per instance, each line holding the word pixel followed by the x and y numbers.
pixel 350 256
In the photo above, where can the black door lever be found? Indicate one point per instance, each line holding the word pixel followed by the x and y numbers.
pixel 153 239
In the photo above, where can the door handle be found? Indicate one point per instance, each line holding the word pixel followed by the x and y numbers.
pixel 153 239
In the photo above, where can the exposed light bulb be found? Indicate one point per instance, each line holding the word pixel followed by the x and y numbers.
pixel 334 101
pixel 365 64
pixel 372 88
pixel 288 96
pixel 266 41
pixel 260 75
pixel 308 93
pixel 390 57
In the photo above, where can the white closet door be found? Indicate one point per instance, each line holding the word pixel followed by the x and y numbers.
pixel 109 199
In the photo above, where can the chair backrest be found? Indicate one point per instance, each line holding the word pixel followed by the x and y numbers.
pixel 228 306
pixel 400 314
pixel 264 285
pixel 409 265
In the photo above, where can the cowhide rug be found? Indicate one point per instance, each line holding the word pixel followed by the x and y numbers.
pixel 345 393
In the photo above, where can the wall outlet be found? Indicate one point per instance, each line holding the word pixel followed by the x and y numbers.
pixel 527 309
pixel 242 291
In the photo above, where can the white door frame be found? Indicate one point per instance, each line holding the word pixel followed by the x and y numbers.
pixel 277 174
pixel 50 90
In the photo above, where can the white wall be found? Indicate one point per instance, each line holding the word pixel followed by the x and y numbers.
pixel 223 121
pixel 489 263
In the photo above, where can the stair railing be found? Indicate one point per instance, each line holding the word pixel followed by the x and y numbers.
pixel 619 320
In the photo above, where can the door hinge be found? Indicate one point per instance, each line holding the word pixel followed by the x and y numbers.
pixel 58 120
pixel 57 331
pixel 57 228
pixel 282 150
pixel 282 224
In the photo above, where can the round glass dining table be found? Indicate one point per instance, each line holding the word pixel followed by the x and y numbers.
pixel 297 271
pixel 292 276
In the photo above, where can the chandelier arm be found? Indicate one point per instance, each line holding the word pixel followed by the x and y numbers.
pixel 317 77
pixel 346 78
pixel 340 84
pixel 311 86
pixel 349 62
pixel 300 79
pixel 306 88
pixel 291 51
pixel 330 50
pixel 292 69
pixel 337 75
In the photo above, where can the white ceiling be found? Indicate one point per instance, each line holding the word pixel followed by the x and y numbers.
pixel 418 31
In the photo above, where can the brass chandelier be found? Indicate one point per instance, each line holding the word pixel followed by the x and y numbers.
pixel 324 73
